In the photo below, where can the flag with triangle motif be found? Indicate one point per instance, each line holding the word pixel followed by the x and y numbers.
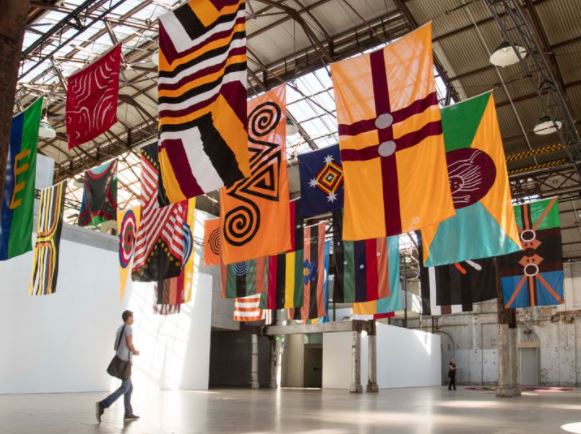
pixel 254 211
pixel 534 277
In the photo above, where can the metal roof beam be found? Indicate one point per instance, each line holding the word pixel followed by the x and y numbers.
pixel 516 29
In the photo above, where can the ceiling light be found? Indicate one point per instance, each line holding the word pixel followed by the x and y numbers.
pixel 45 130
pixel 291 129
pixel 545 126
pixel 506 55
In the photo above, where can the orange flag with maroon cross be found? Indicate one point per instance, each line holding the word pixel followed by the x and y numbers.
pixel 391 141
pixel 255 210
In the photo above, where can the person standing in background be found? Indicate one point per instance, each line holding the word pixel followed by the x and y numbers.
pixel 124 348
pixel 452 374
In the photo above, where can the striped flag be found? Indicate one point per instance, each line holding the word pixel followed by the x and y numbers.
pixel 159 249
pixel 315 273
pixel 202 97
pixel 362 268
pixel 48 238
pixel 285 271
pixel 244 278
pixel 384 307
pixel 247 309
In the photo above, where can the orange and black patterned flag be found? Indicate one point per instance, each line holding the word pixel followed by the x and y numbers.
pixel 255 211
pixel 212 242
pixel 390 136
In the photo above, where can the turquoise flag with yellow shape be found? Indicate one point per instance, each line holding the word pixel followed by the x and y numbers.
pixel 17 205
pixel 484 224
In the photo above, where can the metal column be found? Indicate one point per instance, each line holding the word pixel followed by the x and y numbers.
pixel 356 386
pixel 372 358
pixel 254 384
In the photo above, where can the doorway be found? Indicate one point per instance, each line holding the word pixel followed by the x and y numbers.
pixel 529 366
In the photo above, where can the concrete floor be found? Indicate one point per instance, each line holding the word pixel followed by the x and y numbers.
pixel 418 410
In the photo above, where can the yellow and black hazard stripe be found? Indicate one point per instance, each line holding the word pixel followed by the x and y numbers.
pixel 534 152
pixel 548 164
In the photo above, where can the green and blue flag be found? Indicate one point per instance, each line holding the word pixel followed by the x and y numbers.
pixel 16 214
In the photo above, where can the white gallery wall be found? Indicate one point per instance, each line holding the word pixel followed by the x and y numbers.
pixel 64 342
pixel 405 358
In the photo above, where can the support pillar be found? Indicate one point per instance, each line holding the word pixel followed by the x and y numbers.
pixel 513 357
pixel 372 358
pixel 254 384
pixel 12 24
pixel 276 361
pixel 356 386
pixel 508 383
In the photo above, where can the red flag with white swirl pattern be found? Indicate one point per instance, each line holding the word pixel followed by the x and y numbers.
pixel 92 95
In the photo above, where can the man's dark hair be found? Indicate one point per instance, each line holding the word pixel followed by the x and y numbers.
pixel 126 315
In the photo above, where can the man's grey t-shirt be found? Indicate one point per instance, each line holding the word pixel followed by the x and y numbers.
pixel 123 351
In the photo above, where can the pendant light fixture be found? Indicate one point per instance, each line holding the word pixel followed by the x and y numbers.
pixel 546 125
pixel 506 55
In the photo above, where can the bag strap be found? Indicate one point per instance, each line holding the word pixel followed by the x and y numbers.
pixel 120 337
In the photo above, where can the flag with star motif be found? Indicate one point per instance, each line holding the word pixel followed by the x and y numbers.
pixel 321 174
pixel 391 141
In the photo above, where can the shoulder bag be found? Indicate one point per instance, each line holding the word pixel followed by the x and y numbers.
pixel 119 368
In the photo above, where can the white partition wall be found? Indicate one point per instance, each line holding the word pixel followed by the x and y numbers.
pixel 405 358
pixel 64 342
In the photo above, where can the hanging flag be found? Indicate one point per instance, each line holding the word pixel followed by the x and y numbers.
pixel 534 277
pixel 361 267
pixel 19 177
pixel 254 211
pixel 99 202
pixel 167 297
pixel 202 97
pixel 212 242
pixel 391 141
pixel 244 278
pixel 127 227
pixel 48 238
pixel 285 280
pixel 159 249
pixel 186 278
pixel 92 98
pixel 390 300
pixel 248 309
pixel 321 176
pixel 285 270
pixel 315 273
pixel 171 293
pixel 484 225
pixel 454 288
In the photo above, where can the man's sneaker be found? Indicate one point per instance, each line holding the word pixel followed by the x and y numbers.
pixel 99 410
pixel 130 417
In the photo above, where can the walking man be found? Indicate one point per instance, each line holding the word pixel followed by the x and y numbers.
pixel 124 348
pixel 452 375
